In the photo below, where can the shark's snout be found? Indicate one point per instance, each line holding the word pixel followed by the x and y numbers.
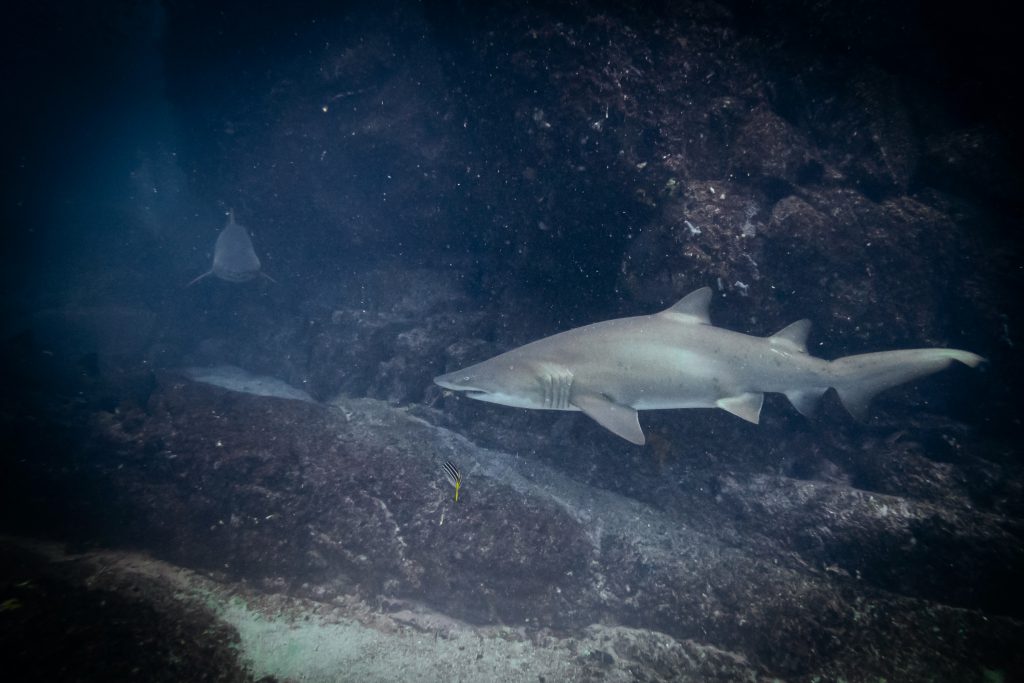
pixel 456 382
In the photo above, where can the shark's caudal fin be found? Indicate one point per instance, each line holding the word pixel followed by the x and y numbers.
pixel 858 378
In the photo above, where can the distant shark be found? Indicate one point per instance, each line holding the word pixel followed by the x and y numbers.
pixel 234 258
pixel 678 359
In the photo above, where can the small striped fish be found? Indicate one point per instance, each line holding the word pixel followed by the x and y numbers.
pixel 454 477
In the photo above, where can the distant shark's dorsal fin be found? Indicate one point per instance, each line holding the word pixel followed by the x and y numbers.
pixel 692 308
pixel 792 337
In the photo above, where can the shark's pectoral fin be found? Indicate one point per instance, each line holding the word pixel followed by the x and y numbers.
pixel 201 277
pixel 614 417
pixel 747 406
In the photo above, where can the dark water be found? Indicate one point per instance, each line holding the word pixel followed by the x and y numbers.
pixel 429 184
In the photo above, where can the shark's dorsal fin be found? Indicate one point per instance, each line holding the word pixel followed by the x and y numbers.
pixel 792 337
pixel 615 417
pixel 692 308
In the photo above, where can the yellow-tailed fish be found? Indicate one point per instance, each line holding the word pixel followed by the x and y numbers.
pixel 454 477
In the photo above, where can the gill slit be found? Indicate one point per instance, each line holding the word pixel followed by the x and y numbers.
pixel 557 388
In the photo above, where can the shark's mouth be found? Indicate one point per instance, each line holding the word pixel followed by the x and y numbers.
pixel 456 387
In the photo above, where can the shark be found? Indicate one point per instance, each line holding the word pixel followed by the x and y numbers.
pixel 234 258
pixel 676 358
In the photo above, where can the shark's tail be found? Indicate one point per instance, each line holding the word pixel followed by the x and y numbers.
pixel 858 378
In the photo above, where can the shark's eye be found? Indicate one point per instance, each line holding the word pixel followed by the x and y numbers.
pixel 466 378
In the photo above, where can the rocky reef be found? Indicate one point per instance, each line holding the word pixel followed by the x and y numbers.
pixel 431 184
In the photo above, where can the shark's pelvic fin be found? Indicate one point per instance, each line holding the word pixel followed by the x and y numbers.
pixel 617 418
pixel 693 308
pixel 747 406
pixel 792 337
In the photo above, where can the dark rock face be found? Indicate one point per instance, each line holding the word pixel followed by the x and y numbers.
pixel 60 623
pixel 298 495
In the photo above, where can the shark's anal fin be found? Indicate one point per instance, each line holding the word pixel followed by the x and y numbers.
pixel 806 401
pixel 747 406
pixel 615 417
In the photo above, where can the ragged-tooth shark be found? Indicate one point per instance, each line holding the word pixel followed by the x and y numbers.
pixel 234 258
pixel 678 359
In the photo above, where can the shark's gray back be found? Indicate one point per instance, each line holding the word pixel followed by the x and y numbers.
pixel 654 349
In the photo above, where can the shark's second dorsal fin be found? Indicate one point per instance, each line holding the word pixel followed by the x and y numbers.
pixel 692 308
pixel 792 337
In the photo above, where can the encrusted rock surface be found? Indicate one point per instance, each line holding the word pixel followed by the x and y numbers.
pixel 322 501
